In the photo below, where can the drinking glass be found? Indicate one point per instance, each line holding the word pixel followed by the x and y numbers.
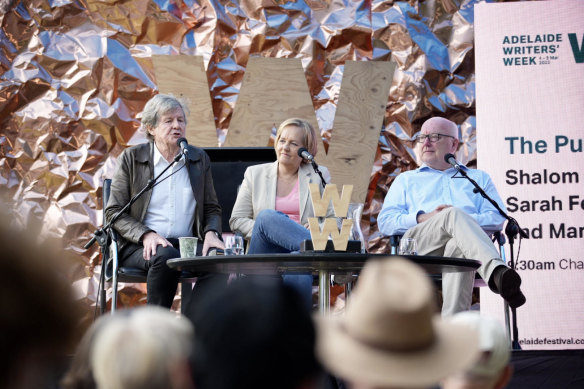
pixel 354 212
pixel 234 245
pixel 407 246
pixel 187 246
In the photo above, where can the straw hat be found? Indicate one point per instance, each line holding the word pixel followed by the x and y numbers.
pixel 390 334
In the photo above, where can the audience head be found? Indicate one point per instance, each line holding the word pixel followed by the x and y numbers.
pixel 158 106
pixel 308 134
pixel 254 334
pixel 432 153
pixel 492 368
pixel 40 316
pixel 143 348
pixel 390 335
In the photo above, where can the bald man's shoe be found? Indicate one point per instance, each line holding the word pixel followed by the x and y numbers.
pixel 507 283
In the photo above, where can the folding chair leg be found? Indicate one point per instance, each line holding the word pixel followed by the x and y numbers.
pixel 115 265
pixel 102 302
pixel 101 296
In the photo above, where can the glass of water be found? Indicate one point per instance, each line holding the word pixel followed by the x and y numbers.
pixel 407 246
pixel 234 245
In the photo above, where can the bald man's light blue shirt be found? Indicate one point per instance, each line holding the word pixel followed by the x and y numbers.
pixel 424 189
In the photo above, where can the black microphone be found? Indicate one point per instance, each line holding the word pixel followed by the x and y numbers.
pixel 449 158
pixel 183 144
pixel 303 153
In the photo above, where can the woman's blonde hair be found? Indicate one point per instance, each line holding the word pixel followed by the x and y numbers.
pixel 309 137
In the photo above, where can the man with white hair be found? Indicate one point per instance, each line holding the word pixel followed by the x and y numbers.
pixel 181 203
pixel 492 369
pixel 143 348
pixel 446 218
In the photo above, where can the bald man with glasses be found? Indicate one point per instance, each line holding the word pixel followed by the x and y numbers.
pixel 448 219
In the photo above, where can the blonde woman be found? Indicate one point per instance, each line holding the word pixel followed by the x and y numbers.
pixel 273 204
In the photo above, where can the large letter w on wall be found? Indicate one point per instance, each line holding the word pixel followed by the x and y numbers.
pixel 275 89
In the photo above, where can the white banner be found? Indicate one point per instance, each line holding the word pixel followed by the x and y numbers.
pixel 530 108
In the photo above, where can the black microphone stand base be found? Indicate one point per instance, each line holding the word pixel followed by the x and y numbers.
pixel 511 230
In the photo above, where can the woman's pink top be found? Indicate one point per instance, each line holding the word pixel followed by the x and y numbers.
pixel 290 204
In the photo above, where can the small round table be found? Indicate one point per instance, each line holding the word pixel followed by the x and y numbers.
pixel 322 263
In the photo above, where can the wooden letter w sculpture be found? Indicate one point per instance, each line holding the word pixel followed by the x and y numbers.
pixel 330 227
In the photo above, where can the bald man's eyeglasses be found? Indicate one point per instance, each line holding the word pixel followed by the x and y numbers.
pixel 432 137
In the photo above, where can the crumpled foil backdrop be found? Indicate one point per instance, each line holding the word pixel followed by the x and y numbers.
pixel 74 76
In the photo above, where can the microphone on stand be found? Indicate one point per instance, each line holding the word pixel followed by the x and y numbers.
pixel 183 144
pixel 449 158
pixel 303 153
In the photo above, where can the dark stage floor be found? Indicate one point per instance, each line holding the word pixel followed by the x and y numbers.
pixel 562 369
